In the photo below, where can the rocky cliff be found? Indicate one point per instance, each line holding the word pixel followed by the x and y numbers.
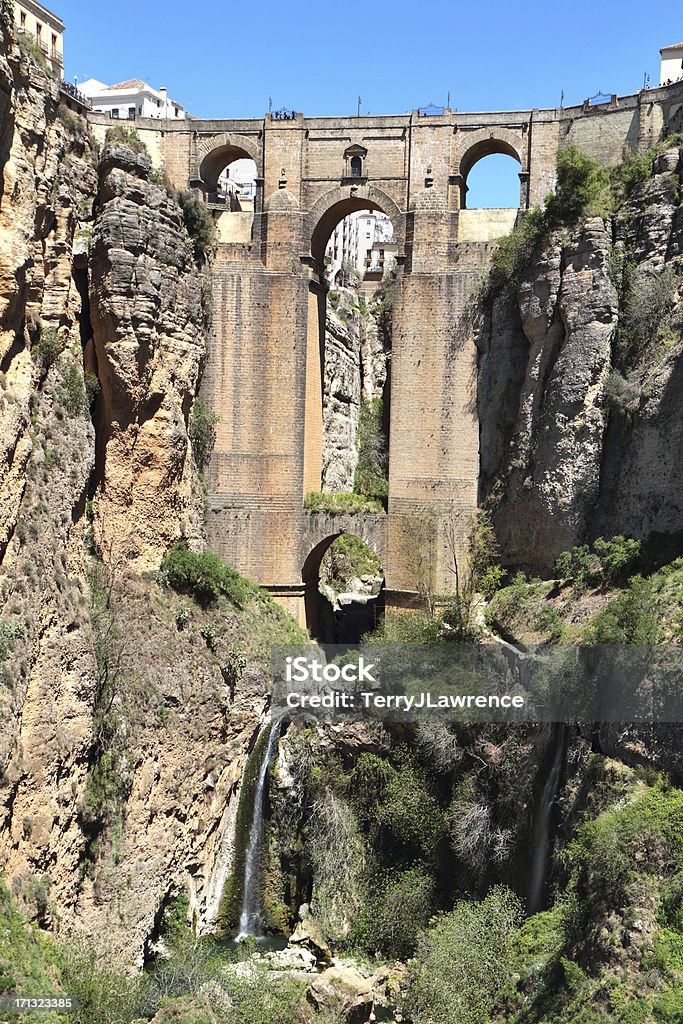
pixel 579 371
pixel 357 346
pixel 124 715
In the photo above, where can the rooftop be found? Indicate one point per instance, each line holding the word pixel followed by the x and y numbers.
pixel 672 46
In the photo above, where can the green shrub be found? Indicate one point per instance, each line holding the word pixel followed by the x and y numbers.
pixel 198 224
pixel 126 136
pixel 48 346
pixel 370 478
pixel 648 301
pixel 581 184
pixel 31 48
pixel 622 845
pixel 608 562
pixel 205 576
pixel 463 961
pixel 621 395
pixel 341 504
pixel 72 392
pixel 202 432
pixel 512 257
pixel 397 906
pixel 629 618
pixel 347 557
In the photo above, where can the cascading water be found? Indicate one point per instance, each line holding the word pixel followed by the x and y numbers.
pixel 251 913
pixel 541 837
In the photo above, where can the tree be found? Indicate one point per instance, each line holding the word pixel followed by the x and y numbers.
pixel 463 961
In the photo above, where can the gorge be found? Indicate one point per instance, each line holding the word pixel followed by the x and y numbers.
pixel 165 395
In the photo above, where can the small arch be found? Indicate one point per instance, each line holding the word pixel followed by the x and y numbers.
pixel 215 155
pixel 488 142
pixel 346 624
pixel 354 162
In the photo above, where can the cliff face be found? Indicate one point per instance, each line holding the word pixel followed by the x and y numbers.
pixel 148 329
pixel 580 431
pixel 355 372
pixel 123 730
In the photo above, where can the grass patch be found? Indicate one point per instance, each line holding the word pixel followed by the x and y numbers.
pixel 341 504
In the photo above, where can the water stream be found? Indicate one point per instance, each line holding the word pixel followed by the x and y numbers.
pixel 542 824
pixel 252 891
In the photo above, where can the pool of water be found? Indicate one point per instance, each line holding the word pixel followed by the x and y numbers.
pixel 264 943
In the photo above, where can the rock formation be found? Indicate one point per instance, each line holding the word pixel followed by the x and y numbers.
pixel 559 462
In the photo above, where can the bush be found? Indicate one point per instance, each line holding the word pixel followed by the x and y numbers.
pixel 609 562
pixel 621 845
pixel 511 259
pixel 649 298
pixel 621 395
pixel 198 224
pixel 398 905
pixel 205 576
pixel 348 557
pixel 581 183
pixel 463 961
pixel 72 392
pixel 630 618
pixel 202 432
pixel 341 504
pixel 126 136
pixel 31 48
pixel 47 347
pixel 370 478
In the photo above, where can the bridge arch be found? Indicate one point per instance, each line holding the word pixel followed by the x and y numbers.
pixel 373 535
pixel 216 153
pixel 488 142
pixel 338 203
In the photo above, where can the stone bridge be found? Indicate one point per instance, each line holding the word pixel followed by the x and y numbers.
pixel 264 373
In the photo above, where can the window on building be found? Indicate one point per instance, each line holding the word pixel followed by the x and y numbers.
pixel 54 43
pixel 23 19
pixel 115 113
pixel 39 31
pixel 131 113
pixel 140 110
pixel 356 166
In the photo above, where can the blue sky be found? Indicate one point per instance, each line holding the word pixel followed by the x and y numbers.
pixel 227 60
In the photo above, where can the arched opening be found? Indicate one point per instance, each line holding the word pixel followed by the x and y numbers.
pixel 229 175
pixel 355 249
pixel 344 592
pixel 491 191
pixel 493 183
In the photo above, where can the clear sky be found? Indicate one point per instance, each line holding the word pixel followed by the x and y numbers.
pixel 227 60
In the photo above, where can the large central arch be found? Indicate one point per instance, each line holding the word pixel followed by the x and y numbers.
pixel 323 217
pixel 338 203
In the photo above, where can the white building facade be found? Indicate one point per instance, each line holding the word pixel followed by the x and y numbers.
pixel 36 23
pixel 671 67
pixel 129 100
pixel 357 242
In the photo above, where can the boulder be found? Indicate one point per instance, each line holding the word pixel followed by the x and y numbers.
pixel 342 991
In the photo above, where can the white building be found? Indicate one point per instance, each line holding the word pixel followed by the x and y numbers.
pixel 45 29
pixel 237 185
pixel 129 100
pixel 671 68
pixel 357 240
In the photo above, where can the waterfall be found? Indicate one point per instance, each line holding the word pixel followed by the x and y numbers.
pixel 250 917
pixel 541 837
